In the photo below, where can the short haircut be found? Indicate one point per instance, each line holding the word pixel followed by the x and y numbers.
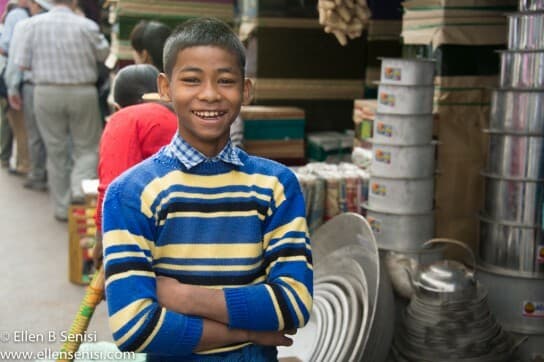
pixel 202 32
pixel 132 82
pixel 150 36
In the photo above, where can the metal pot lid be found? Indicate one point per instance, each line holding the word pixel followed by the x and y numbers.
pixel 446 276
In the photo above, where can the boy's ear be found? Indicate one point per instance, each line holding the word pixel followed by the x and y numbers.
pixel 163 85
pixel 248 92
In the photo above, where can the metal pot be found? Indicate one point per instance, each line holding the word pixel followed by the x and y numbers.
pixel 522 68
pixel 516 300
pixel 401 194
pixel 407 71
pixel 415 161
pixel 513 200
pixel 517 110
pixel 525 31
pixel 511 246
pixel 531 5
pixel 531 347
pixel 403 129
pixel 516 156
pixel 400 231
pixel 405 99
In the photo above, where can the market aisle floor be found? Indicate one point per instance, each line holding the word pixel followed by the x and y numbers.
pixel 36 295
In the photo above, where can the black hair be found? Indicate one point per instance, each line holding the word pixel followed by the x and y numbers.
pixel 150 36
pixel 132 82
pixel 202 32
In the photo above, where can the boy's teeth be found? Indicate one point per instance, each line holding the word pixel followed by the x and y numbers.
pixel 207 114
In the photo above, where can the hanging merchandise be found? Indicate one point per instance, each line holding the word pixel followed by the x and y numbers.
pixel 344 18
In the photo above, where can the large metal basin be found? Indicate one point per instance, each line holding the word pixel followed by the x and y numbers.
pixel 513 200
pixel 531 5
pixel 403 129
pixel 402 161
pixel 516 156
pixel 511 246
pixel 525 31
pixel 522 69
pixel 517 110
pixel 405 99
pixel 401 195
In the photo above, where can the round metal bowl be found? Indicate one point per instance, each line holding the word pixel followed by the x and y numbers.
pixel 401 194
pixel 517 301
pixel 513 200
pixel 403 129
pixel 522 69
pixel 516 156
pixel 531 5
pixel 517 110
pixel 400 231
pixel 511 246
pixel 525 31
pixel 403 161
pixel 407 71
pixel 405 99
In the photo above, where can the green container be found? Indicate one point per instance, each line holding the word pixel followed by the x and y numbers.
pixel 266 129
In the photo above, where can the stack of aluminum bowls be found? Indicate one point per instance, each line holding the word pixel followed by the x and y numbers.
pixel 401 187
pixel 511 247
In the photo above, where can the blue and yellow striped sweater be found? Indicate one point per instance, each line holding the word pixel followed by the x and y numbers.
pixel 240 228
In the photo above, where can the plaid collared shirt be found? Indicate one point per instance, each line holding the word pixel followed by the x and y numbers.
pixel 191 157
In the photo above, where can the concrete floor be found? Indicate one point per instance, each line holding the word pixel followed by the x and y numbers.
pixel 36 295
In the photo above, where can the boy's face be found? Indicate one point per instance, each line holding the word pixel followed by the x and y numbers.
pixel 207 91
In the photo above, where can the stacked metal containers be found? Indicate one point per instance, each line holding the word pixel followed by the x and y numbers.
pixel 511 247
pixel 400 200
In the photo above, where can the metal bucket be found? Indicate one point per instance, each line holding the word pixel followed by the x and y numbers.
pixel 403 129
pixel 525 31
pixel 516 156
pixel 400 231
pixel 403 161
pixel 517 110
pixel 522 69
pixel 531 5
pixel 405 99
pixel 511 246
pixel 401 194
pixel 513 200
pixel 531 348
pixel 407 71
pixel 517 301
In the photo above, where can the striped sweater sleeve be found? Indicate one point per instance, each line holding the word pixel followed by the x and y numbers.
pixel 136 319
pixel 284 300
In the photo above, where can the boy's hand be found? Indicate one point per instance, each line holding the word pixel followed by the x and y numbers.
pixel 270 338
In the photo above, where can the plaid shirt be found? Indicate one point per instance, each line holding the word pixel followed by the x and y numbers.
pixel 62 48
pixel 191 157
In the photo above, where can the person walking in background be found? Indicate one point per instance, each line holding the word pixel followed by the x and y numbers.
pixel 147 40
pixel 20 89
pixel 15 116
pixel 63 49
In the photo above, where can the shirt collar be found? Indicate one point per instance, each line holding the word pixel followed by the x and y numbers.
pixel 191 157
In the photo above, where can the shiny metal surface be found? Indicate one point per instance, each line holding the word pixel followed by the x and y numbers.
pixel 445 276
pixel 403 129
pixel 407 71
pixel 513 200
pixel 401 195
pixel 515 300
pixel 516 156
pixel 402 161
pixel 522 69
pixel 531 5
pixel 517 110
pixel 511 246
pixel 405 99
pixel 525 31
pixel 401 232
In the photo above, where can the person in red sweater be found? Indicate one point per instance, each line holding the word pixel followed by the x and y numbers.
pixel 133 133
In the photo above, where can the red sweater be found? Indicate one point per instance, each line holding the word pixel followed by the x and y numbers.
pixel 131 135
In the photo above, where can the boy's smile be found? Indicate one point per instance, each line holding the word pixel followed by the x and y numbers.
pixel 207 90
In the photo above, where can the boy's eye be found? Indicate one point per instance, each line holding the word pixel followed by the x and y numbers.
pixel 226 81
pixel 190 80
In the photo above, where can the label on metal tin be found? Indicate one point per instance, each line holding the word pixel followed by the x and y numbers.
pixel 392 73
pixel 375 224
pixel 382 156
pixel 540 254
pixel 533 309
pixel 387 99
pixel 378 190
pixel 384 129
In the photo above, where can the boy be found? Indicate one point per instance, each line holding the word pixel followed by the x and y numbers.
pixel 207 255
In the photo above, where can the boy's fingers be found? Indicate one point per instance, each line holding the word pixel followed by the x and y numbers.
pixel 291 331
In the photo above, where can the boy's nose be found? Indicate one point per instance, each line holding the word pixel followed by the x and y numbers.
pixel 209 93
